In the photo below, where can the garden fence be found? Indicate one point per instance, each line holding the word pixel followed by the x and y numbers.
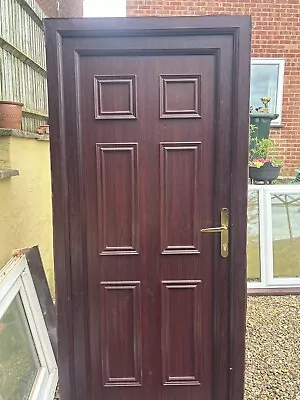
pixel 22 60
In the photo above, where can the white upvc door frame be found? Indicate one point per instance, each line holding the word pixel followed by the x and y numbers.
pixel 262 222
pixel 15 279
pixel 271 280
pixel 266 236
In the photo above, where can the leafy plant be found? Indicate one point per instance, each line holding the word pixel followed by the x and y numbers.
pixel 262 151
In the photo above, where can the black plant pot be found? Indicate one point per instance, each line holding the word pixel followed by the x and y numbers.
pixel 266 174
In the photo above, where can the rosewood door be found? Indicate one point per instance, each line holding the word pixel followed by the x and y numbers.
pixel 149 133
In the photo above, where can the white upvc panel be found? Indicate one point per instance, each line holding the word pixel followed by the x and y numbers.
pixel 266 236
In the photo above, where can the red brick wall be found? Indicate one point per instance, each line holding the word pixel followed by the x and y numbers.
pixel 68 8
pixel 276 34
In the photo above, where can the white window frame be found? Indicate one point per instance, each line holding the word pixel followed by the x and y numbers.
pixel 267 279
pixel 281 63
pixel 15 278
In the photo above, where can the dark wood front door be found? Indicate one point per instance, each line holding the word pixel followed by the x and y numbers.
pixel 149 133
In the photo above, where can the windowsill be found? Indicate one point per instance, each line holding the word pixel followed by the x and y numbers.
pixel 8 173
pixel 22 134
pixel 273 291
pixel 277 126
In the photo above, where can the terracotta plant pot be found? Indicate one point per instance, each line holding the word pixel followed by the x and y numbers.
pixel 10 114
pixel 43 130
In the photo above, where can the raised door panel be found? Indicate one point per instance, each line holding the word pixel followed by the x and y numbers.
pixel 180 96
pixel 180 211
pixel 117 181
pixel 181 332
pixel 121 333
pixel 115 97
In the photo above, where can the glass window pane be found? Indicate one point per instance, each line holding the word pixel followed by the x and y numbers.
pixel 19 362
pixel 264 82
pixel 286 234
pixel 253 252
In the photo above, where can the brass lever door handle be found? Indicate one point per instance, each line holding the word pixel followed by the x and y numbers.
pixel 223 229
pixel 215 230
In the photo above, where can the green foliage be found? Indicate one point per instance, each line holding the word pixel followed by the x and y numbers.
pixel 253 129
pixel 262 151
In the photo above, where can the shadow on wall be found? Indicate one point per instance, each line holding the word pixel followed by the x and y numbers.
pixel 25 200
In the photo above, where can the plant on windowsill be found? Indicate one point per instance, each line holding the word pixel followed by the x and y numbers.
pixel 264 166
pixel 262 118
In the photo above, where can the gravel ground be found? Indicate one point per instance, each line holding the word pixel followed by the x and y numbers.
pixel 273 348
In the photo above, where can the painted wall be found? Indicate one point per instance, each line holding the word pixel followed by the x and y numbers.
pixel 25 201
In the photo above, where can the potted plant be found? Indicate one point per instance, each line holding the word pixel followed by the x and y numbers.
pixel 261 118
pixel 10 114
pixel 264 166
